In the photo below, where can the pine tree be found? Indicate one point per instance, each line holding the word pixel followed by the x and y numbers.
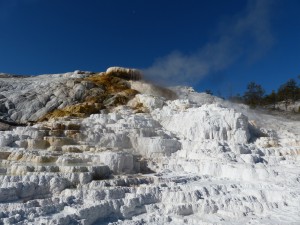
pixel 288 92
pixel 254 94
pixel 209 92
pixel 271 99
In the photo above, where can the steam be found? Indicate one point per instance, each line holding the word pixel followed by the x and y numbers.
pixel 248 37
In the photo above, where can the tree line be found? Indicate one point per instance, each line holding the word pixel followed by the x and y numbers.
pixel 288 93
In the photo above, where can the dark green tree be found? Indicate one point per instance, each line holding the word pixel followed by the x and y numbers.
pixel 209 92
pixel 254 94
pixel 271 99
pixel 236 98
pixel 288 92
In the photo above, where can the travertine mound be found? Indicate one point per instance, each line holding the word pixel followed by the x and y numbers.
pixel 120 151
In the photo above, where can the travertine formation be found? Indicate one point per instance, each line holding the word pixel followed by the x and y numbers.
pixel 141 158
pixel 79 94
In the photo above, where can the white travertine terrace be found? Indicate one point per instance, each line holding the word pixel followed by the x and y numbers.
pixel 193 160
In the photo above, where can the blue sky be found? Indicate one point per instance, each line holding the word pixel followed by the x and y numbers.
pixel 217 44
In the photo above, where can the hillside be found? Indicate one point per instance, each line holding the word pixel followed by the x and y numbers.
pixel 110 148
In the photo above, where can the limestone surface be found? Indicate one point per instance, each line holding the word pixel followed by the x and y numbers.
pixel 151 160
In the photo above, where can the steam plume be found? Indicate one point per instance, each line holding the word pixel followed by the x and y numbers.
pixel 248 37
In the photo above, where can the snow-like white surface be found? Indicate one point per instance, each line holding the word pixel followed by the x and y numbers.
pixel 290 106
pixel 30 98
pixel 194 160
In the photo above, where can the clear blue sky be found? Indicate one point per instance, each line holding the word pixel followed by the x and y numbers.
pixel 216 44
